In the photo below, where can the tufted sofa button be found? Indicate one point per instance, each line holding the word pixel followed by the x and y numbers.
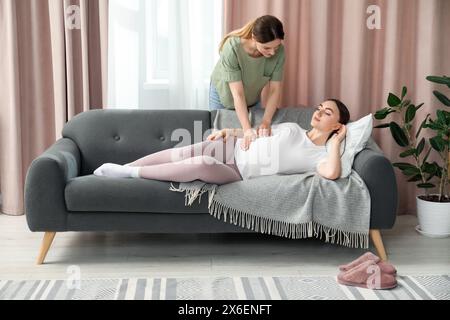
pixel 162 138
pixel 117 138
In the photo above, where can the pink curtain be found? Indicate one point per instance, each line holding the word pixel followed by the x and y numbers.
pixel 49 73
pixel 332 53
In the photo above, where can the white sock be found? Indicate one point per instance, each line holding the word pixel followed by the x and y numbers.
pixel 117 171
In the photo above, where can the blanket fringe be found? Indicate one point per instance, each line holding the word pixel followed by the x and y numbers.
pixel 274 227
pixel 194 193
pixel 288 230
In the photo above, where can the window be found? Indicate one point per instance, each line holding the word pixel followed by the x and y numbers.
pixel 157 41
pixel 162 52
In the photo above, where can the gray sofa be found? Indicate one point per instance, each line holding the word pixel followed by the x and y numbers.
pixel 62 194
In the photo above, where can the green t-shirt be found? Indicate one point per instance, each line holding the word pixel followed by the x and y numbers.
pixel 236 64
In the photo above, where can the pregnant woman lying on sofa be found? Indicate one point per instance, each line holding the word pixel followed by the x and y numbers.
pixel 220 159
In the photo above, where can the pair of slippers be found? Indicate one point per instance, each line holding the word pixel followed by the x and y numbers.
pixel 368 271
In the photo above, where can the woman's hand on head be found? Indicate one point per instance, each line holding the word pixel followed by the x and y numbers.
pixel 249 136
pixel 340 135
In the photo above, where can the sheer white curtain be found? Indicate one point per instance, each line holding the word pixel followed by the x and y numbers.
pixel 162 52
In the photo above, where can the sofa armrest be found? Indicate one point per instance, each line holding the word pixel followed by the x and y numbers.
pixel 379 176
pixel 45 182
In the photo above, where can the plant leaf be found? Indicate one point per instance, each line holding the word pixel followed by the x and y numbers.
pixel 383 125
pixel 432 125
pixel 404 91
pixel 426 185
pixel 440 80
pixel 398 134
pixel 427 154
pixel 429 168
pixel 381 114
pixel 441 117
pixel 403 165
pixel 432 169
pixel 419 106
pixel 437 143
pixel 420 147
pixel 442 98
pixel 422 125
pixel 438 172
pixel 447 120
pixel 411 171
pixel 417 177
pixel 393 100
pixel 410 113
pixel 408 153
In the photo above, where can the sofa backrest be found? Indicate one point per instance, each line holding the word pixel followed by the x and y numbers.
pixel 124 135
pixel 229 119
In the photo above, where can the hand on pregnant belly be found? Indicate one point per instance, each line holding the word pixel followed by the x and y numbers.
pixel 249 137
pixel 264 130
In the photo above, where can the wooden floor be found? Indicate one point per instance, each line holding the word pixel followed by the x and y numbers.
pixel 117 255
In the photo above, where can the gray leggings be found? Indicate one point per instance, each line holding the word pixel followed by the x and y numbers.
pixel 209 161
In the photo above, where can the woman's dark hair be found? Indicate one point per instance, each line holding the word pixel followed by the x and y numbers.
pixel 344 114
pixel 268 28
pixel 265 29
pixel 344 117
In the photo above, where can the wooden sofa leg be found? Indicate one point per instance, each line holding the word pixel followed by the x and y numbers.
pixel 46 243
pixel 375 235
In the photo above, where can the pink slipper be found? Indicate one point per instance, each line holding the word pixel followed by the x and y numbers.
pixel 385 267
pixel 367 276
pixel 366 256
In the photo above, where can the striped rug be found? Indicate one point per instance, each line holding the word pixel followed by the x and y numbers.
pixel 222 288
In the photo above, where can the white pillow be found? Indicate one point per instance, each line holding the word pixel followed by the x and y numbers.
pixel 358 134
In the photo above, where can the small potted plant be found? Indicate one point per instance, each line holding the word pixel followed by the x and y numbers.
pixel 433 210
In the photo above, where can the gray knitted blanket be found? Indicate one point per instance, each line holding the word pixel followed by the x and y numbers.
pixel 293 206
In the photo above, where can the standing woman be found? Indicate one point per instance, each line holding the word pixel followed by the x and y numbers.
pixel 251 65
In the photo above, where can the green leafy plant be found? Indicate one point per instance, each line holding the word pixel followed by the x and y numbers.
pixel 416 147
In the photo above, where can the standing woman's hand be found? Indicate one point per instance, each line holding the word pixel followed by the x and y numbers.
pixel 216 135
pixel 249 136
pixel 264 129
pixel 223 134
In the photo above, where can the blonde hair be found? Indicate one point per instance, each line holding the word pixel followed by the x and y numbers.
pixel 264 29
pixel 245 32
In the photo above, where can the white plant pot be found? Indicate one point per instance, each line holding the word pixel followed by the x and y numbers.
pixel 434 218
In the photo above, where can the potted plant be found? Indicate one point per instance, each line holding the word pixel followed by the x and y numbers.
pixel 433 210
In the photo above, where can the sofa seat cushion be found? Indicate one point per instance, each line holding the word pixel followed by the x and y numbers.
pixel 106 194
